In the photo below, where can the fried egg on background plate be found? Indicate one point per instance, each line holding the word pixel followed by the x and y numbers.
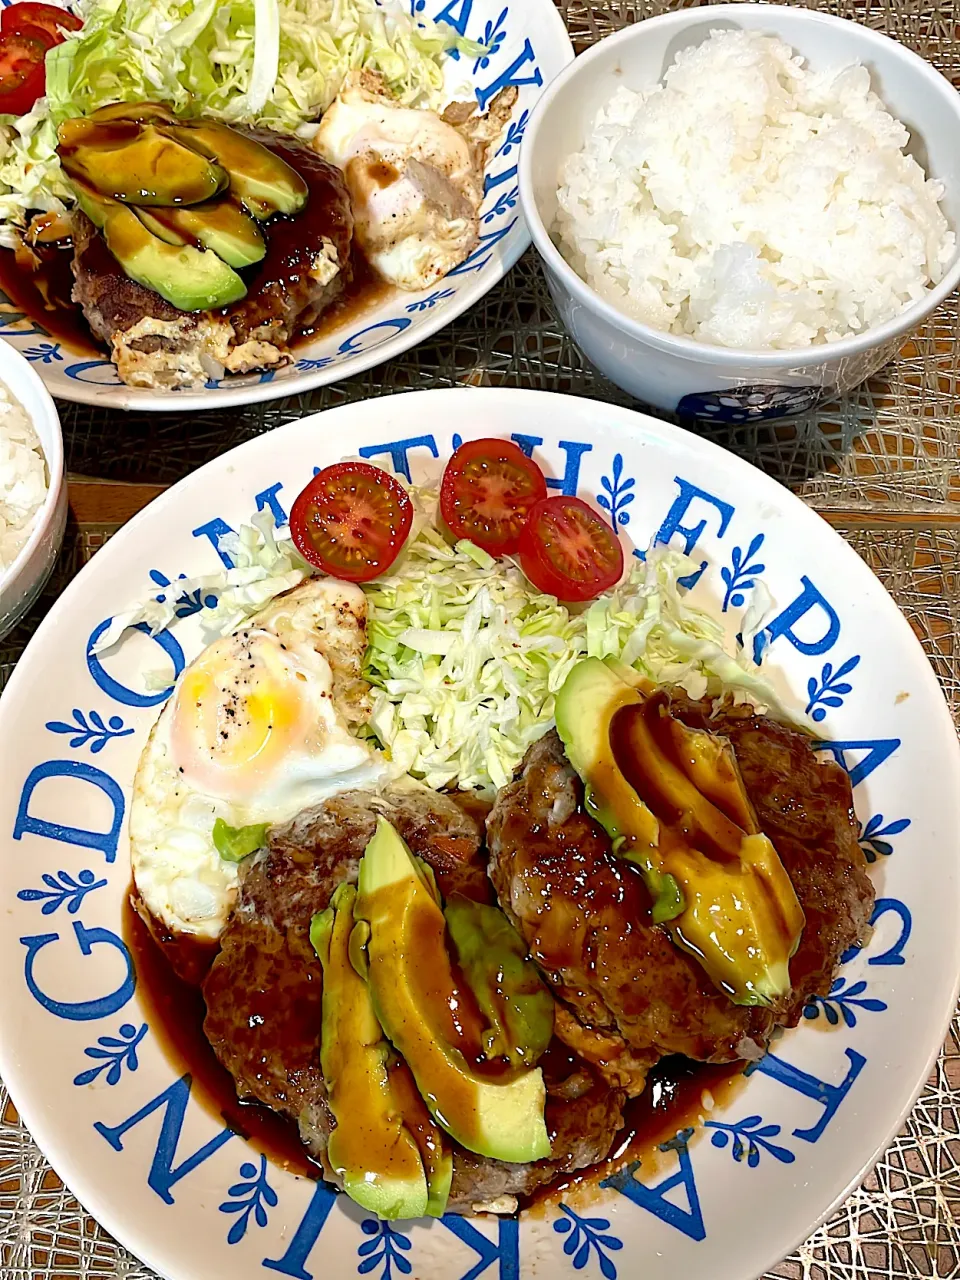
pixel 415 178
pixel 256 729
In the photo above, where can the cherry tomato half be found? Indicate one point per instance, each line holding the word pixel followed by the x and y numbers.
pixel 22 71
pixel 568 551
pixel 351 521
pixel 488 489
pixel 48 17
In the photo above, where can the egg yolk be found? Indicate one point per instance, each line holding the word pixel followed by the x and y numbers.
pixel 241 708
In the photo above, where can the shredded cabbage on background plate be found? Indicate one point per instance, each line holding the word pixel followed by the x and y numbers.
pixel 465 657
pixel 30 173
pixel 277 63
pixel 274 63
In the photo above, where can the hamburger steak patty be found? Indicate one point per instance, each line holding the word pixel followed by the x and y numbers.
pixel 630 994
pixel 263 991
pixel 305 269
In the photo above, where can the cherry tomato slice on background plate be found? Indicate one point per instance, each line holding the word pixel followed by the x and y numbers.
pixel 46 17
pixel 351 521
pixel 488 489
pixel 22 69
pixel 569 551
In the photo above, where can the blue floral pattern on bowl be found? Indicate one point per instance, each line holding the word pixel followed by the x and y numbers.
pixel 752 403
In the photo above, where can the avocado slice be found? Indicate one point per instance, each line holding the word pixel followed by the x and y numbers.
pixel 432 1142
pixel 430 1017
pixel 259 178
pixel 219 225
pixel 190 279
pixel 674 803
pixel 383 1130
pixel 109 126
pixel 143 167
pixel 508 988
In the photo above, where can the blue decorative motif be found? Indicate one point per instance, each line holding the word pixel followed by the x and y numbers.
pixel 894 953
pixel 506 201
pixel 514 134
pixel 477 261
pixel 584 1234
pixel 95 731
pixel 113 1055
pixel 878 751
pixel 62 890
pixel 750 1136
pixel 831 690
pixel 841 1002
pixel 741 576
pixel 385 1248
pixel 44 352
pixel 352 345
pixel 187 604
pixel 249 1196
pixel 494 34
pixel 318 362
pixel 99 373
pixel 873 840
pixel 617 496
pixel 428 303
pixel 753 403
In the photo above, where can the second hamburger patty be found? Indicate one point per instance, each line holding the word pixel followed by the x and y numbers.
pixel 630 995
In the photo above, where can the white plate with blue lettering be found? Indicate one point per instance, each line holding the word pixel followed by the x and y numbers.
pixel 725 1202
pixel 527 45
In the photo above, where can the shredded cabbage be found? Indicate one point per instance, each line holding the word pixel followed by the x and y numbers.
pixel 276 63
pixel 30 175
pixel 264 566
pixel 464 656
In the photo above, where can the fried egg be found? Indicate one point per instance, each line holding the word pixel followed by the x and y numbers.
pixel 415 178
pixel 257 729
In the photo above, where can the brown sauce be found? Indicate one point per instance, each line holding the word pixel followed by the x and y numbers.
pixel 44 297
pixel 175 1011
pixel 672 1100
pixel 646 753
pixel 364 292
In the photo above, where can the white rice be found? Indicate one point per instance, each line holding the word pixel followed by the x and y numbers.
pixel 23 478
pixel 750 202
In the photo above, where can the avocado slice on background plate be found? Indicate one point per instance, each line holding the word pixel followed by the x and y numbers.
pixel 190 279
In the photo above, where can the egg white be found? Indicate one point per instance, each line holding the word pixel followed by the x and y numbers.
pixel 256 730
pixel 415 179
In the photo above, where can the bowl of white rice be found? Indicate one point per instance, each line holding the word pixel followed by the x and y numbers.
pixel 742 210
pixel 33 492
